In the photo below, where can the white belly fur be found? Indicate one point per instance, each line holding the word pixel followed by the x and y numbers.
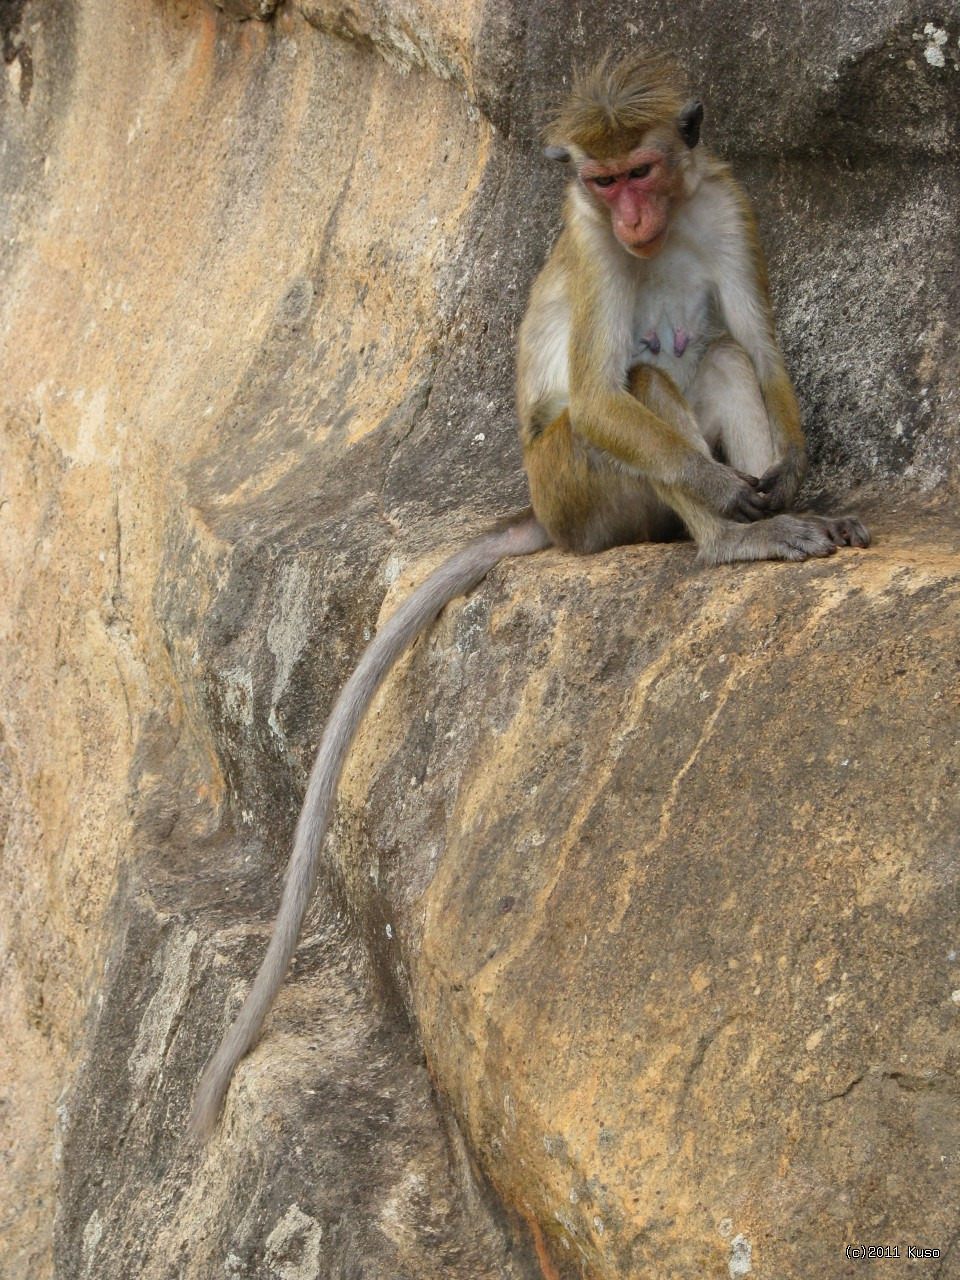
pixel 674 303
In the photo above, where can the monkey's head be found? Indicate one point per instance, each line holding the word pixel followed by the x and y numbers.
pixel 628 132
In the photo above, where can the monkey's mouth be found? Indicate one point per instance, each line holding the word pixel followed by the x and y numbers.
pixel 646 248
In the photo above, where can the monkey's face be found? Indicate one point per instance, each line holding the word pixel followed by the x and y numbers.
pixel 638 190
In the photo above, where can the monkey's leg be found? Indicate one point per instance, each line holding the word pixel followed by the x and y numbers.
pixel 735 413
pixel 729 406
pixel 727 402
pixel 750 442
pixel 586 499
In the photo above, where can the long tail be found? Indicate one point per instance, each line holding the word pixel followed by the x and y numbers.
pixel 453 578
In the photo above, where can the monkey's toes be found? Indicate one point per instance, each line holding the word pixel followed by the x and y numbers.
pixel 851 531
pixel 844 531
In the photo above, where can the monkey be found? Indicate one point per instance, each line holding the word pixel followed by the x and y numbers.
pixel 651 390
pixel 652 398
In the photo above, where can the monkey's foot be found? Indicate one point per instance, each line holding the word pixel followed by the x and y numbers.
pixel 785 537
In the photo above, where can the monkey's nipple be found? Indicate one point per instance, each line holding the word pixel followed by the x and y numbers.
pixel 680 340
pixel 651 340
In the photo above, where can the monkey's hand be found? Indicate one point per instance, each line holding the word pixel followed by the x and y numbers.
pixel 729 492
pixel 780 483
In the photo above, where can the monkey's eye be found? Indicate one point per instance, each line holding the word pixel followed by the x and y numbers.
pixel 607 181
pixel 640 171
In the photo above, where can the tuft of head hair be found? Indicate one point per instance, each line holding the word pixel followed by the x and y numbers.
pixel 612 105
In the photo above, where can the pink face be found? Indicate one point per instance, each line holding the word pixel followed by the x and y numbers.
pixel 638 190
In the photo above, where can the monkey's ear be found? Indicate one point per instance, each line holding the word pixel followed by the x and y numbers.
pixel 689 121
pixel 557 153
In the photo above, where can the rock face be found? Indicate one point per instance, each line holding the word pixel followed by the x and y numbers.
pixel 637 952
pixel 678 921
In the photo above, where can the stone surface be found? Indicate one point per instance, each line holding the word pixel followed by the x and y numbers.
pixel 678 899
pixel 241 10
pixel 667 856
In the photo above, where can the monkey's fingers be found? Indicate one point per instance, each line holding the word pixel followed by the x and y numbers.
pixel 728 492
pixel 748 512
pixel 750 503
pixel 741 500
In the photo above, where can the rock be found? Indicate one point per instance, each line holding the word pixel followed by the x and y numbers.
pixel 241 10
pixel 672 905
pixel 649 870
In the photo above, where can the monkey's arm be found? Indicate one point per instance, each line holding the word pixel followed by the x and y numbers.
pixel 454 577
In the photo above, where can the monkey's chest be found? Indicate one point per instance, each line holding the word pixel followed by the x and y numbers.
pixel 672 323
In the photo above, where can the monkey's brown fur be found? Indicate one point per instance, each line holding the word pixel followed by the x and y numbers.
pixel 613 103
pixel 658 239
